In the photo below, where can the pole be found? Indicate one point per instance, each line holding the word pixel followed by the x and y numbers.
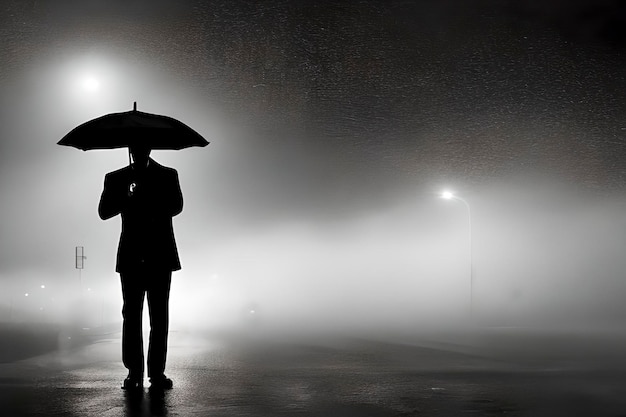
pixel 80 264
pixel 448 196
pixel 471 257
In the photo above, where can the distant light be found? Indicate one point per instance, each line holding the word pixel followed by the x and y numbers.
pixel 90 84
pixel 447 195
pixel 26 295
pixel 43 286
pixel 252 312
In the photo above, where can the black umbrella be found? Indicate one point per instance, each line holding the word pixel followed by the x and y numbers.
pixel 126 129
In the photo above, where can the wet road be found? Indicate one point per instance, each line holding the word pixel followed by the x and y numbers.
pixel 263 377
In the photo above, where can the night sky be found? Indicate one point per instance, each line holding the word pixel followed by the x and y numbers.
pixel 333 127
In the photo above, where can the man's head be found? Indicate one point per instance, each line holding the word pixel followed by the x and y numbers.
pixel 140 154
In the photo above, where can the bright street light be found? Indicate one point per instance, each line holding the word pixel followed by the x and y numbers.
pixel 447 195
pixel 90 84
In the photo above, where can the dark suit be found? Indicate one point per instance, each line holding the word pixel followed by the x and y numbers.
pixel 146 255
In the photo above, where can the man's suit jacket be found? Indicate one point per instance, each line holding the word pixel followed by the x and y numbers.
pixel 147 237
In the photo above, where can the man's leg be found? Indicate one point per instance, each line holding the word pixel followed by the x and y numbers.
pixel 132 311
pixel 158 304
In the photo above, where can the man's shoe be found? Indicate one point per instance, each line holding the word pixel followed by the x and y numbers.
pixel 132 383
pixel 161 383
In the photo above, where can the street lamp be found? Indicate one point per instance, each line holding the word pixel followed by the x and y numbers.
pixel 448 195
pixel 90 84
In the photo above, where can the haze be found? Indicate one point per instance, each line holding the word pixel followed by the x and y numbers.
pixel 333 130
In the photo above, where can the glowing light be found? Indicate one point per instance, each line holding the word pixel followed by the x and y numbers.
pixel 43 286
pixel 26 295
pixel 90 84
pixel 447 195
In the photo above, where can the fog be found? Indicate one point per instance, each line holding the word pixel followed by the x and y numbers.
pixel 542 255
pixel 265 246
pixel 317 204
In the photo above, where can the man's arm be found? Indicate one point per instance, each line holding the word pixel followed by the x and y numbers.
pixel 113 200
pixel 176 198
pixel 168 198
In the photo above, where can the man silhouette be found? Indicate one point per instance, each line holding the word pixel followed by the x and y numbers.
pixel 146 195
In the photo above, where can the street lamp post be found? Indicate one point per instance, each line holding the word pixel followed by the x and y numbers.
pixel 447 195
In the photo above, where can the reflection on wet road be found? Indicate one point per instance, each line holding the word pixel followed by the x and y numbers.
pixel 324 378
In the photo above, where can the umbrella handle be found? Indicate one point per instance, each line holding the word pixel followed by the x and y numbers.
pixel 134 109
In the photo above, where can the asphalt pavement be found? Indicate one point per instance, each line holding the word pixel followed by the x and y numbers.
pixel 508 373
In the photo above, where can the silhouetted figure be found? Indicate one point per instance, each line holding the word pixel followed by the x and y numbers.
pixel 147 195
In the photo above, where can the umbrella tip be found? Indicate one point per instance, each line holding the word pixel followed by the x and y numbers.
pixel 134 106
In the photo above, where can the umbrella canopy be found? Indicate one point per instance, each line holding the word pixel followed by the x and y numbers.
pixel 126 129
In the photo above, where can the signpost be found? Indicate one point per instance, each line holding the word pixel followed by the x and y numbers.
pixel 80 264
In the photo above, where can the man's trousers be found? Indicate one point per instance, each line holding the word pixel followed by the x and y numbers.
pixel 136 285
